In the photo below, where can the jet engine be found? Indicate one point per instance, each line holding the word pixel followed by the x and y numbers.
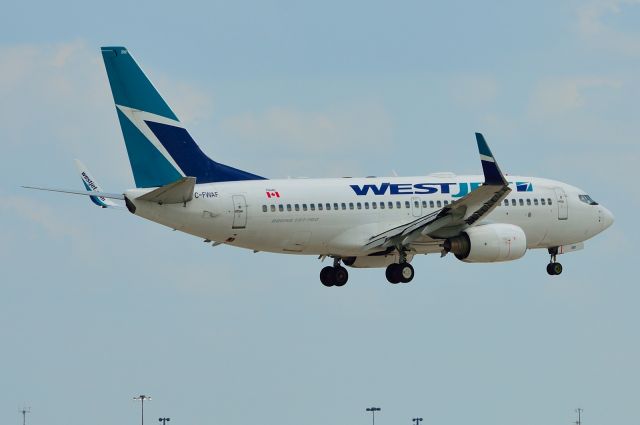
pixel 488 243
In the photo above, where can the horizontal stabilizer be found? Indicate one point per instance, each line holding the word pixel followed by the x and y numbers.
pixel 77 192
pixel 178 192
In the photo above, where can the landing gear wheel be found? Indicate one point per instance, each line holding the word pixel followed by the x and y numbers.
pixel 550 269
pixel 392 273
pixel 406 272
pixel 554 269
pixel 328 276
pixel 341 275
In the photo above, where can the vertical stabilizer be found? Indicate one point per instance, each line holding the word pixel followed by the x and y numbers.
pixel 160 149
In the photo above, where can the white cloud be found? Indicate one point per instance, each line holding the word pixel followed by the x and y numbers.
pixel 593 27
pixel 555 97
pixel 318 131
pixel 56 100
pixel 335 140
pixel 473 91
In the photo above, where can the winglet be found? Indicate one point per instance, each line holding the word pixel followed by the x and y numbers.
pixel 492 173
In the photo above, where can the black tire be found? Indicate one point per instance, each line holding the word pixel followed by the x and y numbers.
pixel 393 276
pixel 328 276
pixel 341 276
pixel 550 269
pixel 406 272
pixel 557 268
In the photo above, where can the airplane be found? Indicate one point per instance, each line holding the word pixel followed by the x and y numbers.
pixel 372 222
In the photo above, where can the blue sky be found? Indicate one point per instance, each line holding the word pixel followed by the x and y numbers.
pixel 98 306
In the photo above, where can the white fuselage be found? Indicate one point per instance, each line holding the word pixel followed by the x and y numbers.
pixel 338 216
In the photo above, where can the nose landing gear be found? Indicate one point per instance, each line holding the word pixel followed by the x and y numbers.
pixel 554 268
pixel 335 275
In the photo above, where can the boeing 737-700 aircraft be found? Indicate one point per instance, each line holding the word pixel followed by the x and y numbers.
pixel 357 222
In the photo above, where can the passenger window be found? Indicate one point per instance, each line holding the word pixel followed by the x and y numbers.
pixel 398 204
pixel 407 204
pixel 424 204
pixel 416 204
pixel 528 201
pixel 328 206
pixel 506 202
pixel 344 206
pixel 297 207
pixel 390 205
pixel 264 208
pixel 366 205
pixel 312 207
pixel 542 201
pixel 273 208
pixel 439 204
pixel 281 208
pixel 535 201
pixel 446 202
pixel 374 205
pixel 304 207
pixel 335 206
pixel 521 202
pixel 381 205
pixel 431 204
pixel 359 205
pixel 288 207
pixel 513 202
pixel 549 201
pixel 350 205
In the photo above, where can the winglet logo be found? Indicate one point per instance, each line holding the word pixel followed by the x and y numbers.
pixel 272 193
pixel 524 186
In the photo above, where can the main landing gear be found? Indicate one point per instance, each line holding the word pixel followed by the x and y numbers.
pixel 554 268
pixel 335 275
pixel 400 272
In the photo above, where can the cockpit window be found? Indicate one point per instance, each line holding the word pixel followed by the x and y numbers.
pixel 587 199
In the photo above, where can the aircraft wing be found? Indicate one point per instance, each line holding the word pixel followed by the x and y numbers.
pixel 455 217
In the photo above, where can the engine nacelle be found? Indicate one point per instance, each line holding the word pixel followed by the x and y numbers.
pixel 488 243
pixel 373 261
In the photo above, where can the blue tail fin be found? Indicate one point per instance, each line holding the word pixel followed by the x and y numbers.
pixel 160 149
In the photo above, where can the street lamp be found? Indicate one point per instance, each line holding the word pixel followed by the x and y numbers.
pixel 164 420
pixel 142 398
pixel 373 411
pixel 417 420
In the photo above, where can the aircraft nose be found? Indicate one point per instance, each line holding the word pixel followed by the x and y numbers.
pixel 607 218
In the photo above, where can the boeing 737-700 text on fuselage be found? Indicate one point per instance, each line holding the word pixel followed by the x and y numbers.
pixel 357 222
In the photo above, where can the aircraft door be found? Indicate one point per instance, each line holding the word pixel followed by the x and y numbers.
pixel 239 212
pixel 563 205
pixel 416 207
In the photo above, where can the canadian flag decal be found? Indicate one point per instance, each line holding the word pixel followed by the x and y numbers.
pixel 273 194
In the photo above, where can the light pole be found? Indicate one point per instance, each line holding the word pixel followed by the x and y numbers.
pixel 579 412
pixel 24 412
pixel 164 420
pixel 142 398
pixel 373 411
pixel 417 420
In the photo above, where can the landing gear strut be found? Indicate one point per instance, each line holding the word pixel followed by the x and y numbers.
pixel 554 268
pixel 335 275
pixel 400 272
